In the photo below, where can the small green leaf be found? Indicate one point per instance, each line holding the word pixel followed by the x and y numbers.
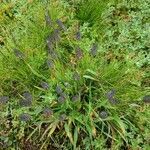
pixel 69 134
pixel 89 77
pixel 75 137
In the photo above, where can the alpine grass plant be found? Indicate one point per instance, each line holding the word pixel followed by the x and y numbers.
pixel 66 86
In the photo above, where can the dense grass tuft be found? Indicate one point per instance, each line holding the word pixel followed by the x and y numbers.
pixel 67 83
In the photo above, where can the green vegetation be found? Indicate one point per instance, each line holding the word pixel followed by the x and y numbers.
pixel 74 75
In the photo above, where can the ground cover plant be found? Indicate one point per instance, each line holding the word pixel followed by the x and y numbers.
pixel 74 75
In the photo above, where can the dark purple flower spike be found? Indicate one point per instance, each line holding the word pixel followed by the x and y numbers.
pixel 18 53
pixel 93 50
pixel 103 114
pixel 47 112
pixel 25 103
pixel 56 35
pixel 76 97
pixel 25 117
pixel 62 98
pixel 50 63
pixel 53 54
pixel 53 38
pixel 114 101
pixel 79 53
pixel 110 96
pixel 49 42
pixel 27 100
pixel 45 85
pixel 27 96
pixel 78 35
pixel 48 19
pixel 4 99
pixel 61 25
pixel 59 90
pixel 146 99
pixel 62 117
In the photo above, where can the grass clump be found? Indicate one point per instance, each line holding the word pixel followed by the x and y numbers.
pixel 60 89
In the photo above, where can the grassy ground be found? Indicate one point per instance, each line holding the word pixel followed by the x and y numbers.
pixel 74 74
